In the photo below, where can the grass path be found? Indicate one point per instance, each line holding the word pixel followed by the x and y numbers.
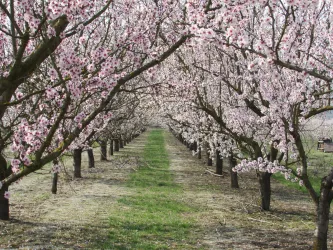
pixel 154 194
pixel 154 216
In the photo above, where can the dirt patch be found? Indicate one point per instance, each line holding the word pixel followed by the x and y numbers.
pixel 76 217
pixel 232 219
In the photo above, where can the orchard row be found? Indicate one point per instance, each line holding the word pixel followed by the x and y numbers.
pixel 240 77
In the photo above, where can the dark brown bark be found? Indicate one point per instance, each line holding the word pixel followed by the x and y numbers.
pixel 191 146
pixel 121 144
pixel 199 153
pixel 55 176
pixel 265 190
pixel 103 145
pixel 323 212
pixel 4 204
pixel 233 175
pixel 91 158
pixel 219 163
pixel 54 188
pixel 195 146
pixel 209 158
pixel 116 145
pixel 77 155
pixel 209 161
pixel 111 147
pixel 124 143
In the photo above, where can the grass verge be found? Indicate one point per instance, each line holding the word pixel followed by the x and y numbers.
pixel 315 181
pixel 153 218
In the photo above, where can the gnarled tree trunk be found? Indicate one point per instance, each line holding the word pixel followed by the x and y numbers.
pixel 4 204
pixel 195 146
pixel 323 212
pixel 219 163
pixel 91 158
pixel 55 177
pixel 233 175
pixel 77 155
pixel 116 145
pixel 199 153
pixel 54 188
pixel 209 161
pixel 111 147
pixel 191 146
pixel 265 189
pixel 103 145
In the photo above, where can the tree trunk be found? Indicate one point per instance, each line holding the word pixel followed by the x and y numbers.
pixel 91 158
pixel 323 212
pixel 54 188
pixel 219 163
pixel 233 175
pixel 77 162
pixel 199 153
pixel 195 146
pixel 103 145
pixel 209 161
pixel 55 176
pixel 265 190
pixel 4 204
pixel 111 147
pixel 116 145
pixel 209 158
pixel 124 143
pixel 121 144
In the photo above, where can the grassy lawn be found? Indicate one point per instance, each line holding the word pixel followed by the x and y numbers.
pixel 155 217
pixel 319 165
pixel 315 181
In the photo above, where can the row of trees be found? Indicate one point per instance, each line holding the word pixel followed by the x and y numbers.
pixel 242 77
pixel 65 68
pixel 249 84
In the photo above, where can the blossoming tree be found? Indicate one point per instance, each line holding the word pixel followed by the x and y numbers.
pixel 62 64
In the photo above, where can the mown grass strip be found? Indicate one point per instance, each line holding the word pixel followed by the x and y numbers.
pixel 319 165
pixel 295 185
pixel 153 218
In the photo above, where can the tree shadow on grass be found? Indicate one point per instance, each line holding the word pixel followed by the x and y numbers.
pixel 40 235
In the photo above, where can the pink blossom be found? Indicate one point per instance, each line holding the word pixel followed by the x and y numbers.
pixel 7 195
pixel 56 169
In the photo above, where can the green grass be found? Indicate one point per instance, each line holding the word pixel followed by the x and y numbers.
pixel 315 181
pixel 155 217
pixel 319 165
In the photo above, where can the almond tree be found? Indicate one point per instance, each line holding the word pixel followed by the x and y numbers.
pixel 63 63
pixel 287 48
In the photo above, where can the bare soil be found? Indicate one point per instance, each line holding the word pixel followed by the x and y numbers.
pixel 77 217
